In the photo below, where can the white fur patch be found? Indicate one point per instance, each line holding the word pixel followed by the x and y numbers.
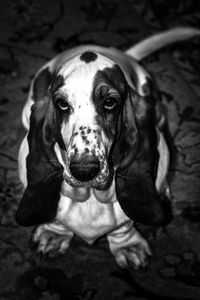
pixel 90 219
pixel 163 163
pixel 23 153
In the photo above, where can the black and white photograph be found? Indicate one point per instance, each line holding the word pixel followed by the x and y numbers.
pixel 99 150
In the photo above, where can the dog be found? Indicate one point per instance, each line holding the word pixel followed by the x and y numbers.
pixel 95 160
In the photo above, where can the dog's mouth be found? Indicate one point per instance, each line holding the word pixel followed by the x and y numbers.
pixel 93 174
pixel 99 183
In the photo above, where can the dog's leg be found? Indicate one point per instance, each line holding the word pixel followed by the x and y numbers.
pixel 52 238
pixel 129 247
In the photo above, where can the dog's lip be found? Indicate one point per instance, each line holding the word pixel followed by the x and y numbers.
pixel 90 184
pixel 105 184
pixel 76 183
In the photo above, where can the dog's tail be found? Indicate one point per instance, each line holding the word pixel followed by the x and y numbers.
pixel 160 40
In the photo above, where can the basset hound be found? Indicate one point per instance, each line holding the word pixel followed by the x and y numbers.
pixel 94 159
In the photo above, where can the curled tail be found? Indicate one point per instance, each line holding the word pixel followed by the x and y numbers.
pixel 160 40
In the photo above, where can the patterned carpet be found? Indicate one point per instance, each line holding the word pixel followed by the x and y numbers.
pixel 31 33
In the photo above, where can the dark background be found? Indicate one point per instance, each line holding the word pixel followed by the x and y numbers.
pixel 32 32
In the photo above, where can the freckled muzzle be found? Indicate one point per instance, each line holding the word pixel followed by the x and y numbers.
pixel 84 167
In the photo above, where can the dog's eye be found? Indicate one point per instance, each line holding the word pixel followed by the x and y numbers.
pixel 62 103
pixel 110 103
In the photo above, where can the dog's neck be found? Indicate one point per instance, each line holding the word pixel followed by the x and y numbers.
pixel 82 194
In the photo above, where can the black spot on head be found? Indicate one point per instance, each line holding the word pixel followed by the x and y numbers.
pixel 88 130
pixel 88 56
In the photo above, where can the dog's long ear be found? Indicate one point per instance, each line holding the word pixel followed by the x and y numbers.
pixel 137 152
pixel 44 172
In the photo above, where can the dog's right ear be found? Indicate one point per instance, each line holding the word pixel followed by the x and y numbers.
pixel 44 172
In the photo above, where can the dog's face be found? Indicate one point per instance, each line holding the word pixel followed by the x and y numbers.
pixel 86 122
pixel 88 93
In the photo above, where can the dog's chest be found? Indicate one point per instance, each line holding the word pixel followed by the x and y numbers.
pixel 89 219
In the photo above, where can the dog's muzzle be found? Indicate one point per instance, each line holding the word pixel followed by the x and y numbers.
pixel 84 167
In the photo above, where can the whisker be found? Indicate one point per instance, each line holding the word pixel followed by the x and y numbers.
pixel 127 177
pixel 60 171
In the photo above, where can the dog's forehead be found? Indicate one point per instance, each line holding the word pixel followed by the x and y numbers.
pixel 79 72
pixel 87 60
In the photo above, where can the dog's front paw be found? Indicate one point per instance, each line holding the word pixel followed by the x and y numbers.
pixel 49 241
pixel 135 255
pixel 129 248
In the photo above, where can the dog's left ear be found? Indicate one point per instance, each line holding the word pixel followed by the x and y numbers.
pixel 44 172
pixel 138 156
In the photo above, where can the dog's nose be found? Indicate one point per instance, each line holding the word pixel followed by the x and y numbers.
pixel 84 167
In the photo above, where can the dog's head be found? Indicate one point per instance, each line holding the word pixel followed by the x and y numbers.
pixel 87 126
pixel 88 97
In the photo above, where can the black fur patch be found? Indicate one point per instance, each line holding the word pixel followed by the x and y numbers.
pixel 113 78
pixel 57 82
pixel 44 172
pixel 88 56
pixel 41 84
